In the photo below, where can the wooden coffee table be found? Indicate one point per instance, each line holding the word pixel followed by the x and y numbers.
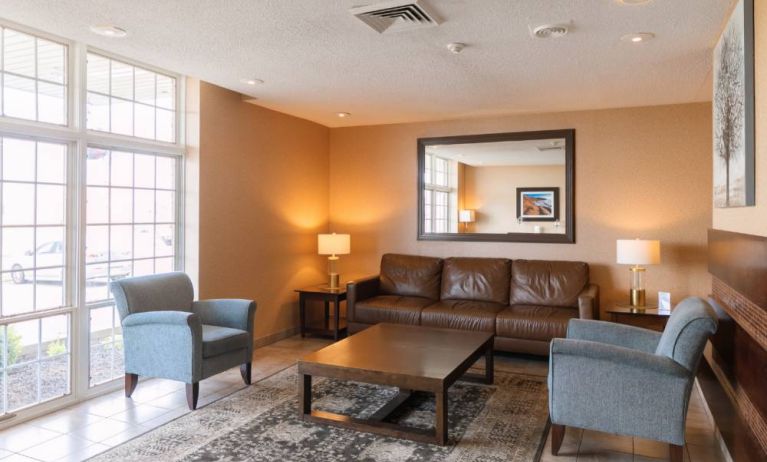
pixel 412 358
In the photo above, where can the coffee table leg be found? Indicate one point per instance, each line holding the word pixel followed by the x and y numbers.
pixel 440 426
pixel 489 364
pixel 305 393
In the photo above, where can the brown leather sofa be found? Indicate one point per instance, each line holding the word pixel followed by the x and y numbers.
pixel 525 303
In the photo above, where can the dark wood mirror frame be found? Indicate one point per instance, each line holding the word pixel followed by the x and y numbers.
pixel 567 238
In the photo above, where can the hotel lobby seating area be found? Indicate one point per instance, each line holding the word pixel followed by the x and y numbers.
pixel 383 230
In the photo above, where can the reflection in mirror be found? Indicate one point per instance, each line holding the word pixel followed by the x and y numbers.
pixel 502 187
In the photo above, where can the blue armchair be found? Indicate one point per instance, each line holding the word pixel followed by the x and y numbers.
pixel 627 380
pixel 168 335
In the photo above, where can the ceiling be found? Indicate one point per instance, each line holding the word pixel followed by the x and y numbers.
pixel 503 153
pixel 317 59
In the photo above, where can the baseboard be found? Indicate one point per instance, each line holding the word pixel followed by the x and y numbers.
pixel 275 337
pixel 719 439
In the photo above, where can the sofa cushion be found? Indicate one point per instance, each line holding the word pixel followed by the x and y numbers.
pixel 481 279
pixel 461 314
pixel 534 322
pixel 218 340
pixel 390 308
pixel 550 283
pixel 411 275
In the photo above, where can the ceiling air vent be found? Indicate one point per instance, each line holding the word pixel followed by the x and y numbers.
pixel 549 148
pixel 396 16
pixel 550 30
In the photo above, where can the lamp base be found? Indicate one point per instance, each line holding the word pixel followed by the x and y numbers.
pixel 333 280
pixel 637 297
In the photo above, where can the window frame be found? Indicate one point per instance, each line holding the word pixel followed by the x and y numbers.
pixel 78 138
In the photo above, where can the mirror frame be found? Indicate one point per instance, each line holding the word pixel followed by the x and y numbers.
pixel 567 238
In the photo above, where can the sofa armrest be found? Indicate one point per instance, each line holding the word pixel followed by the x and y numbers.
pixel 588 302
pixel 180 318
pixel 228 312
pixel 618 355
pixel 635 338
pixel 360 290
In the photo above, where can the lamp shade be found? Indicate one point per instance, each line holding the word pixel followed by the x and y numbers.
pixel 638 252
pixel 466 216
pixel 333 244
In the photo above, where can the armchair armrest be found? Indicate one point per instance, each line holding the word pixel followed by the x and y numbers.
pixel 165 344
pixel 180 318
pixel 227 312
pixel 588 302
pixel 619 390
pixel 360 290
pixel 612 333
pixel 621 356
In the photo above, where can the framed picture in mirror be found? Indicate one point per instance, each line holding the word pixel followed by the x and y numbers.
pixel 538 204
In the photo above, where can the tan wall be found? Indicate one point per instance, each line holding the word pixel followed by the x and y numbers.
pixel 753 220
pixel 640 172
pixel 263 199
pixel 492 192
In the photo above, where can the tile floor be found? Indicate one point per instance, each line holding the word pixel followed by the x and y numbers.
pixel 88 428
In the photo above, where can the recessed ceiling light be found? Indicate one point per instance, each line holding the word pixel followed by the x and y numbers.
pixel 251 81
pixel 638 37
pixel 343 115
pixel 109 30
pixel 456 47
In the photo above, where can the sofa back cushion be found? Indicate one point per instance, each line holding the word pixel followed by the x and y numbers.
pixel 410 275
pixel 480 279
pixel 155 292
pixel 549 283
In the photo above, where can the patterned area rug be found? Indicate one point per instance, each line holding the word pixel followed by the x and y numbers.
pixel 504 422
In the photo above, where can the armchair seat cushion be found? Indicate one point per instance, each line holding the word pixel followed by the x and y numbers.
pixel 218 340
pixel 462 314
pixel 534 322
pixel 390 308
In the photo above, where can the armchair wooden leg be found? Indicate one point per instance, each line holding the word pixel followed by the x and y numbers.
pixel 557 436
pixel 676 453
pixel 131 380
pixel 245 370
pixel 192 392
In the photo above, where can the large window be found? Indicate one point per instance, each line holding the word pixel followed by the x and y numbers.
pixel 86 199
pixel 130 100
pixel 34 78
pixel 131 230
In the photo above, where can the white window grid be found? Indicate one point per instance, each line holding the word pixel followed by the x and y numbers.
pixel 110 97
pixel 78 137
pixel 37 80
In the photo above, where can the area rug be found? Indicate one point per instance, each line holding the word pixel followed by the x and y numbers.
pixel 503 422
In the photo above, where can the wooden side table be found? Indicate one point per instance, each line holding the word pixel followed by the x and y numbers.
pixel 648 317
pixel 328 296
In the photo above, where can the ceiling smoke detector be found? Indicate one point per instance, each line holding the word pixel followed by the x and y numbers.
pixel 550 30
pixel 396 16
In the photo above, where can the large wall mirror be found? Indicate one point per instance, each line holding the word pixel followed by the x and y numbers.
pixel 515 187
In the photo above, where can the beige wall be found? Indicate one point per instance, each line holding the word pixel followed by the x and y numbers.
pixel 492 192
pixel 640 172
pixel 753 220
pixel 263 179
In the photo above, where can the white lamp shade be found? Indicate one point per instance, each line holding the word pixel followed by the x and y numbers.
pixel 333 244
pixel 638 252
pixel 466 216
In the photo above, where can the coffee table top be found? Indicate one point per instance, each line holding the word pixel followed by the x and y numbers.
pixel 399 350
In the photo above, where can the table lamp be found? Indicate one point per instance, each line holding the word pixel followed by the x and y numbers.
pixel 333 245
pixel 466 216
pixel 638 252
